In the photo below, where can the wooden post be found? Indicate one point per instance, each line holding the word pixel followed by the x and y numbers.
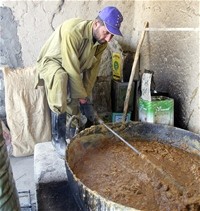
pixel 126 102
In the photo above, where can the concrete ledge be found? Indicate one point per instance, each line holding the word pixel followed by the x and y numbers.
pixel 52 189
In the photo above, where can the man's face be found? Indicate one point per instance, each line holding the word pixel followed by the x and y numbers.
pixel 101 34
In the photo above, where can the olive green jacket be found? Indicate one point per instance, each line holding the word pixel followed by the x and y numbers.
pixel 69 51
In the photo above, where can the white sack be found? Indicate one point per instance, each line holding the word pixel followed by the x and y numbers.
pixel 27 112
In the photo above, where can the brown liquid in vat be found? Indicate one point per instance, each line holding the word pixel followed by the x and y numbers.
pixel 117 173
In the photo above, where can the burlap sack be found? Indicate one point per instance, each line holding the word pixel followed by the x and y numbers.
pixel 27 112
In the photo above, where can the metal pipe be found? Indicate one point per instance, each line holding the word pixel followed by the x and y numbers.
pixel 118 136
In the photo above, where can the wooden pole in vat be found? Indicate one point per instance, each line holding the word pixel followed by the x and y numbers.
pixel 135 61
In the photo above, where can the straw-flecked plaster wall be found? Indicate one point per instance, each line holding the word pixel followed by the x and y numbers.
pixel 170 47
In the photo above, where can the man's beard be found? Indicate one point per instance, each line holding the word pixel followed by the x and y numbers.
pixel 96 37
pixel 101 41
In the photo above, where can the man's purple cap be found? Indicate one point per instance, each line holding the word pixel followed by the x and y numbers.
pixel 112 19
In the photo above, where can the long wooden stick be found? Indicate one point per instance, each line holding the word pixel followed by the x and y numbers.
pixel 126 102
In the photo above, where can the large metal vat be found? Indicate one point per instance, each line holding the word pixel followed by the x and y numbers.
pixel 92 137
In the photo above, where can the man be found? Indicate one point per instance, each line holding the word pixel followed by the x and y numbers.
pixel 68 66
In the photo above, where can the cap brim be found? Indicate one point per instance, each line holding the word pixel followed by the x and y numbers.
pixel 112 30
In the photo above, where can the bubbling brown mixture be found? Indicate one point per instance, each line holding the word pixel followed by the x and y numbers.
pixel 117 173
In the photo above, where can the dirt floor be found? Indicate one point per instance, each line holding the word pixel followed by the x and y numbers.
pixel 166 178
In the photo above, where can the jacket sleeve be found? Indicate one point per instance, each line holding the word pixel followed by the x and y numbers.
pixel 89 77
pixel 70 62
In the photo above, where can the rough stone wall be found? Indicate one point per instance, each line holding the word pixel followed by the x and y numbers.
pixel 172 55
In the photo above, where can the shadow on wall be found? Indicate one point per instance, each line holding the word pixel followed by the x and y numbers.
pixel 10 47
pixel 180 119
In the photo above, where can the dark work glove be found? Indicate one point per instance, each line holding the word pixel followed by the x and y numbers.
pixel 87 109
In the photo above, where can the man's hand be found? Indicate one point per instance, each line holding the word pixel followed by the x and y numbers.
pixel 87 109
pixel 83 100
